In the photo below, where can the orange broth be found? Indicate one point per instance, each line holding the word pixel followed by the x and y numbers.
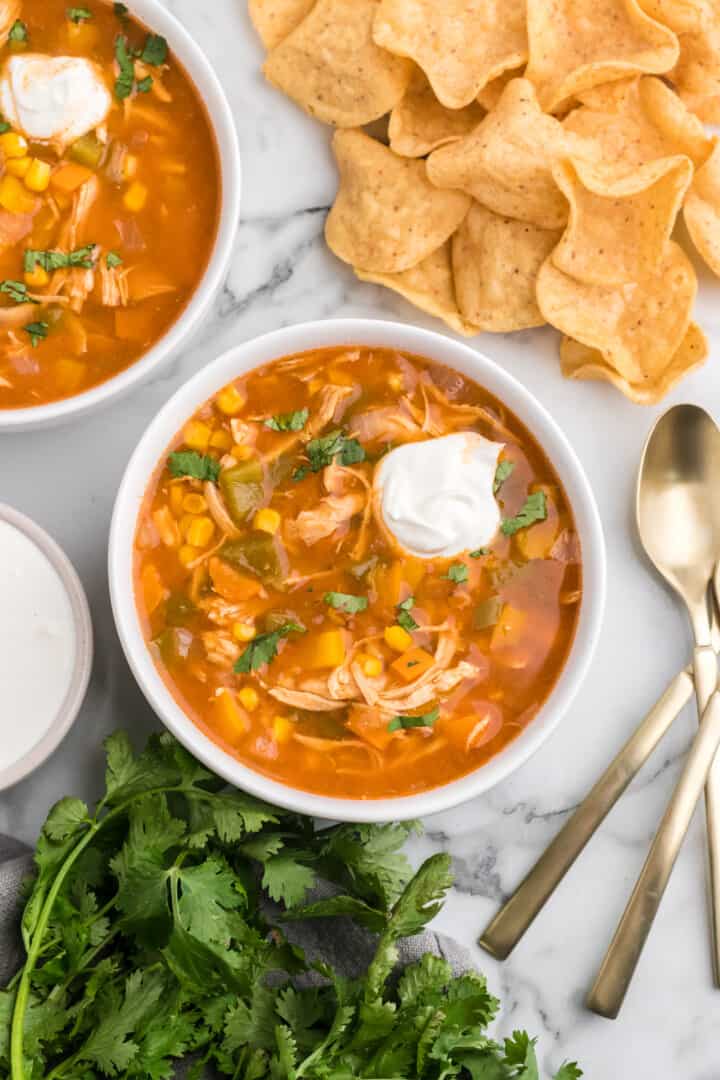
pixel 207 600
pixel 141 196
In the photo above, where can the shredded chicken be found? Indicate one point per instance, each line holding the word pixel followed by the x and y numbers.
pixel 13 318
pixel 14 228
pixel 220 648
pixel 304 699
pixel 329 515
pixel 222 611
pixel 455 415
pixel 385 424
pixel 114 290
pixel 77 281
pixel 334 403
pixel 218 511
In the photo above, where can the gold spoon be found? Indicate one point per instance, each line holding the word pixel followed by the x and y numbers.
pixel 678 517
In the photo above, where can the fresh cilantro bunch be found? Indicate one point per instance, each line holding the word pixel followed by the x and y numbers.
pixel 146 942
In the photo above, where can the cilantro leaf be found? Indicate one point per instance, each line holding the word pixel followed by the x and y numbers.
pixel 59 260
pixel 535 509
pixel 323 451
pixel 264 648
pixel 144 86
pixel 78 14
pixel 458 573
pixel 126 76
pixel 17 291
pixel 290 421
pixel 155 50
pixel 479 552
pixel 197 466
pixel 402 614
pixel 569 1071
pixel 287 880
pixel 18 31
pixel 4 126
pixel 346 602
pixel 38 331
pixel 503 471
pixel 112 259
pixel 425 720
pixel 121 10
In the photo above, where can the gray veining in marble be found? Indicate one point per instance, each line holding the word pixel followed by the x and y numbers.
pixel 281 273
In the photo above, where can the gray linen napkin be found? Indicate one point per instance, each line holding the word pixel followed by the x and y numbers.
pixel 347 947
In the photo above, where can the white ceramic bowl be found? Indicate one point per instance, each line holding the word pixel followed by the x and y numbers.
pixel 244 358
pixel 156 16
pixel 64 718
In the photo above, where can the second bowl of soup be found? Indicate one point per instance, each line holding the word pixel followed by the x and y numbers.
pixel 116 142
pixel 356 567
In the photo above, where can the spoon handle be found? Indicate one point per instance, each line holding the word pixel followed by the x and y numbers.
pixel 611 985
pixel 503 933
pixel 705 668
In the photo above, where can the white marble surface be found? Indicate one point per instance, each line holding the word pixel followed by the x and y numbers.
pixel 281 273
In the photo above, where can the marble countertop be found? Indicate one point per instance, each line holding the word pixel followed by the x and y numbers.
pixel 281 273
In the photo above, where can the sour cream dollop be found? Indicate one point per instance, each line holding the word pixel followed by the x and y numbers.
pixel 53 98
pixel 436 497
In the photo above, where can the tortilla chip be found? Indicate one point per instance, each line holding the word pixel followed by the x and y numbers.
pixel 430 287
pixel 636 121
pixel 333 69
pixel 506 163
pixel 387 216
pixel 496 261
pixel 491 94
pixel 419 124
pixel 702 212
pixel 275 19
pixel 619 230
pixel 697 75
pixel 637 328
pixel 577 44
pixel 580 362
pixel 461 45
pixel 682 16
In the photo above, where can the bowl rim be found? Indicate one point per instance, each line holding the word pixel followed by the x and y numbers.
pixel 77 687
pixel 338 332
pixel 220 117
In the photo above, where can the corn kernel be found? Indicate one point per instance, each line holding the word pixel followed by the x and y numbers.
pixel 194 503
pixel 38 175
pixel 282 729
pixel 186 554
pixel 176 499
pixel 242 453
pixel 231 401
pixel 37 278
pixel 129 167
pixel 249 698
pixel 398 638
pixel 372 666
pixel 395 382
pixel 197 436
pixel 18 166
pixel 221 440
pixel 201 532
pixel 13 145
pixel 135 197
pixel 14 197
pixel 315 385
pixel 243 631
pixel 185 522
pixel 267 520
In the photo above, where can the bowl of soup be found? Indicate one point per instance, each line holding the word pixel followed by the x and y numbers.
pixel 357 570
pixel 119 199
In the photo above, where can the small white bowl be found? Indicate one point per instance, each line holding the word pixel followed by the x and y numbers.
pixel 252 354
pixel 156 16
pixel 65 716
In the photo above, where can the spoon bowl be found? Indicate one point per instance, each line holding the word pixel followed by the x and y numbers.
pixel 678 508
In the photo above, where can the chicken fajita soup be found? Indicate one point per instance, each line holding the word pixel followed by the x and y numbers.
pixel 109 195
pixel 358 573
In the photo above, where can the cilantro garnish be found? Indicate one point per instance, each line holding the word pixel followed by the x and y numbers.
pixel 18 31
pixel 290 421
pixel 121 10
pixel 535 509
pixel 148 940
pixel 78 14
pixel 197 466
pixel 323 451
pixel 503 471
pixel 479 552
pixel 113 259
pixel 38 331
pixel 458 573
pixel 4 126
pixel 264 648
pixel 402 614
pixel 17 291
pixel 126 77
pixel 425 720
pixel 144 86
pixel 155 50
pixel 59 260
pixel 346 602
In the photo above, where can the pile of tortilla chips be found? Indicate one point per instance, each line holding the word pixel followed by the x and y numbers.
pixel 538 156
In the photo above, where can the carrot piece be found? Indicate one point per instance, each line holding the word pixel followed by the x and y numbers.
pixel 69 177
pixel 472 730
pixel 231 585
pixel 412 664
pixel 368 725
